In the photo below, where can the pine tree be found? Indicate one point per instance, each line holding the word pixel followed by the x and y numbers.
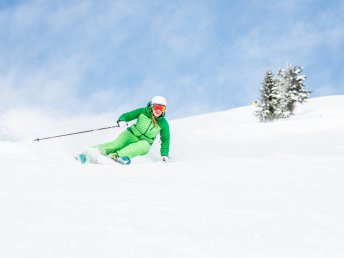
pixel 269 102
pixel 293 88
pixel 283 83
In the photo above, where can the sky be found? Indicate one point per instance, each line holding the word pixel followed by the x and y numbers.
pixel 92 56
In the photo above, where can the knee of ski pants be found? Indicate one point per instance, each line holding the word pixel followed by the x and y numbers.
pixel 124 139
pixel 140 148
pixel 135 149
pixel 145 147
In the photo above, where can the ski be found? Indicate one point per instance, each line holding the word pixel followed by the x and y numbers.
pixel 122 160
pixel 83 158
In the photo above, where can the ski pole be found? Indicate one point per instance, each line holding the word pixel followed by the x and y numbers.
pixel 87 131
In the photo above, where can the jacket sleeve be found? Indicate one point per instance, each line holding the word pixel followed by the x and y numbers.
pixel 165 139
pixel 129 116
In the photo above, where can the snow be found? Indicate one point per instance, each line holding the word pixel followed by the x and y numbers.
pixel 234 188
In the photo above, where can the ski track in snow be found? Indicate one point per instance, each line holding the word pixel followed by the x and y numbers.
pixel 234 188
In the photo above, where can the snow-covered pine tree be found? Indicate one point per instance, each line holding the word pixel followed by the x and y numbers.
pixel 283 83
pixel 269 102
pixel 293 88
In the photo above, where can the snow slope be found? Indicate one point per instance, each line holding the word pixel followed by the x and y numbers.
pixel 234 188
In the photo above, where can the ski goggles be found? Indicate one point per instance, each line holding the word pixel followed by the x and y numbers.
pixel 157 107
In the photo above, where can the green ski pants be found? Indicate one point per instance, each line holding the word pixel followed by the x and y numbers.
pixel 126 144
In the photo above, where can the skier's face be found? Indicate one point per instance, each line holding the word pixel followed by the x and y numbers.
pixel 157 110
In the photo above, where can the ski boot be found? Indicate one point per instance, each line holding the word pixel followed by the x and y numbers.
pixel 121 160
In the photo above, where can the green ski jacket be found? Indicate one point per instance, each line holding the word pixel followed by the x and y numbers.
pixel 144 128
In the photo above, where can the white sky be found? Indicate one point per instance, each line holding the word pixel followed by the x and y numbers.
pixel 90 56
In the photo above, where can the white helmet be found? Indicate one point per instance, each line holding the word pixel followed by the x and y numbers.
pixel 159 100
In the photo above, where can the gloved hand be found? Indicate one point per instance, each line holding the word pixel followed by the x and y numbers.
pixel 122 124
pixel 165 158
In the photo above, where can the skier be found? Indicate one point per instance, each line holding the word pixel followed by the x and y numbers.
pixel 137 139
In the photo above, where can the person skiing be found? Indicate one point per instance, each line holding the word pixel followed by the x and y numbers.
pixel 137 139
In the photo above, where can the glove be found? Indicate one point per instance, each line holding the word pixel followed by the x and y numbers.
pixel 165 158
pixel 122 124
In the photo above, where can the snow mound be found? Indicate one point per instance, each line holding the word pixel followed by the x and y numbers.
pixel 235 187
